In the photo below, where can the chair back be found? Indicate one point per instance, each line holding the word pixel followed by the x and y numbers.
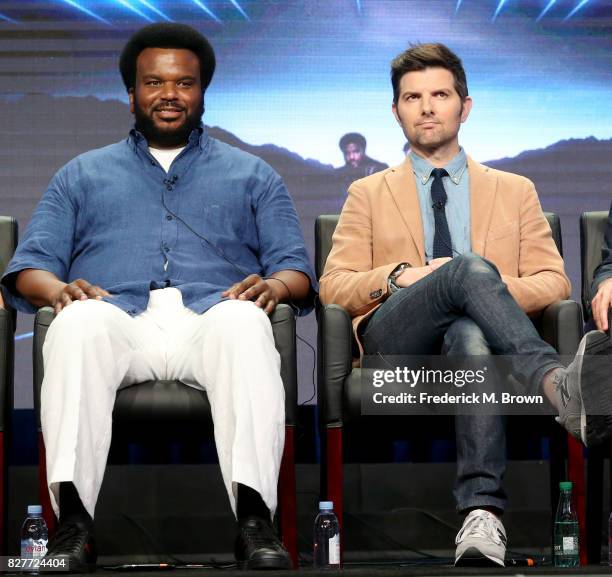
pixel 592 231
pixel 325 225
pixel 8 240
pixel 8 243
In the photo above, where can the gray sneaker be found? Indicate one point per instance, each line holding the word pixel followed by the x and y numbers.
pixel 481 541
pixel 585 391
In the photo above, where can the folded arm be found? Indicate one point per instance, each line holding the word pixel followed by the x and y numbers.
pixel 350 278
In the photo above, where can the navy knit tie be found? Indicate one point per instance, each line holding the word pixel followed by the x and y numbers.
pixel 442 245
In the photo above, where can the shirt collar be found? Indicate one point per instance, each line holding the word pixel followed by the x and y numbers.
pixel 456 167
pixel 198 137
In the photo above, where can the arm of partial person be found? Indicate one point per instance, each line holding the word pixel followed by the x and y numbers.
pixel 601 304
pixel 541 277
pixel 602 281
pixel 43 288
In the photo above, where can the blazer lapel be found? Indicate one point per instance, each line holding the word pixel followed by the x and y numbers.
pixel 483 185
pixel 400 181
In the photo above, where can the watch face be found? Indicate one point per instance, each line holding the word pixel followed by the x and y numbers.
pixel 398 271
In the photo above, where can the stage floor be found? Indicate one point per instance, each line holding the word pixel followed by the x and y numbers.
pixel 377 571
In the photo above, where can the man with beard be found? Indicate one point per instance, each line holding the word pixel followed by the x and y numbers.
pixel 442 255
pixel 161 256
pixel 357 163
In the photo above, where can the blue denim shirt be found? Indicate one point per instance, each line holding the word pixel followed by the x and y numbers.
pixel 457 187
pixel 110 217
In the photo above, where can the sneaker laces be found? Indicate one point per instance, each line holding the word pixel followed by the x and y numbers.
pixel 481 524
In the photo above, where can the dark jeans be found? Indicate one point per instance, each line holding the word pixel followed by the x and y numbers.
pixel 465 308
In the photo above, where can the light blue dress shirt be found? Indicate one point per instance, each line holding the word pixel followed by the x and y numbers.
pixel 457 186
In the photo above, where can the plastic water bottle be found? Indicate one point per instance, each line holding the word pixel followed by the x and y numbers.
pixel 34 534
pixel 610 540
pixel 566 551
pixel 326 553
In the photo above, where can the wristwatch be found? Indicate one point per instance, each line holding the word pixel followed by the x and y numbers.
pixel 394 275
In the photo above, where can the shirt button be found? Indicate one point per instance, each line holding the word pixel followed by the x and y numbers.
pixel 169 187
pixel 168 217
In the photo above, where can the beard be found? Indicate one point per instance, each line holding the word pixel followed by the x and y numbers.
pixel 166 138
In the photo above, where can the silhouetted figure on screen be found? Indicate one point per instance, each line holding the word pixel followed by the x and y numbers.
pixel 357 163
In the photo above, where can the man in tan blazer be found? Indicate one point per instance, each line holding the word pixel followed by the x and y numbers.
pixel 444 255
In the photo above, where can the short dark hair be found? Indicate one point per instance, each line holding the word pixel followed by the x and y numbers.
pixel 421 56
pixel 353 137
pixel 167 36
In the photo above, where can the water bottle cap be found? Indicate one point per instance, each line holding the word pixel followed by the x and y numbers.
pixel 565 485
pixel 326 505
pixel 34 510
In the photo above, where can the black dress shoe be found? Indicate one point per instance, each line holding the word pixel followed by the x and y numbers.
pixel 258 547
pixel 75 546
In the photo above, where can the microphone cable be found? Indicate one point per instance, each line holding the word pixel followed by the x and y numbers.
pixel 244 274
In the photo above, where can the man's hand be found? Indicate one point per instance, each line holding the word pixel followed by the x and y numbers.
pixel 414 274
pixel 601 304
pixel 266 293
pixel 77 290
pixel 436 263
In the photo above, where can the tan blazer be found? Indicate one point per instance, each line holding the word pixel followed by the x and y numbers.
pixel 381 227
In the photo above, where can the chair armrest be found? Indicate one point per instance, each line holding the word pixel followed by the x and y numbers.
pixel 335 361
pixel 6 367
pixel 42 320
pixel 562 326
pixel 284 331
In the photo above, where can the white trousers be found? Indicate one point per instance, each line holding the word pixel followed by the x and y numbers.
pixel 93 348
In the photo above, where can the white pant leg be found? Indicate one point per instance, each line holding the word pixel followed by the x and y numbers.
pixel 91 349
pixel 230 351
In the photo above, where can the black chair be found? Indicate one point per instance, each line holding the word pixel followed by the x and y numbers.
pixel 339 384
pixel 592 230
pixel 153 402
pixel 8 242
